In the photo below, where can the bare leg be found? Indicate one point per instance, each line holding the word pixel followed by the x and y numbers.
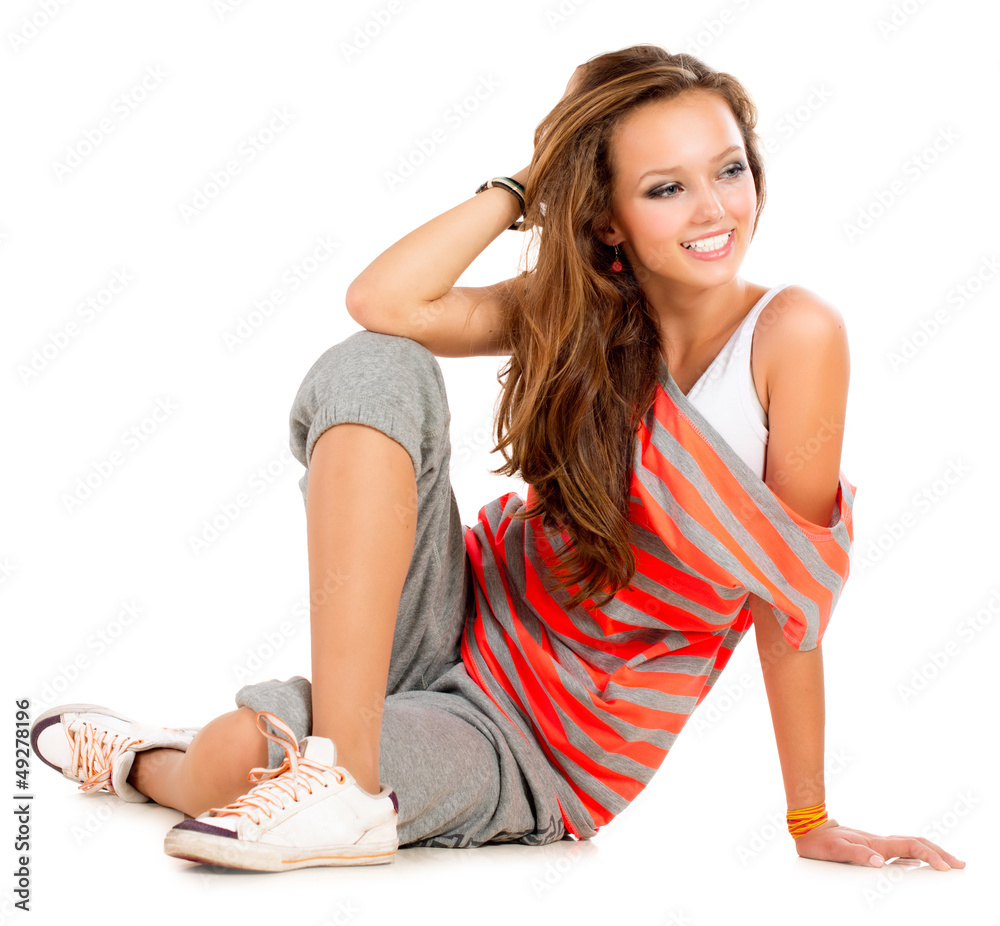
pixel 213 771
pixel 361 514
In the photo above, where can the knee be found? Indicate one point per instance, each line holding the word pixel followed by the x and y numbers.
pixel 391 383
pixel 226 749
pixel 371 363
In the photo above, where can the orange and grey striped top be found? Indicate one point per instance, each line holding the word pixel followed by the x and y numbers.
pixel 605 691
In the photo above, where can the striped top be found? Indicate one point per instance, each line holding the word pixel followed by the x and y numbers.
pixel 604 692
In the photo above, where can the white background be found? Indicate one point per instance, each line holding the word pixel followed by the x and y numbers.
pixel 848 106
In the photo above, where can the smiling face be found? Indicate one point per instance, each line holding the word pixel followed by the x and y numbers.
pixel 683 199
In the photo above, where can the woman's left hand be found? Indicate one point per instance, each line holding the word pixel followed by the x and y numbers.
pixel 831 842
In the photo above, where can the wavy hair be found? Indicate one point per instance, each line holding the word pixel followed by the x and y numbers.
pixel 584 344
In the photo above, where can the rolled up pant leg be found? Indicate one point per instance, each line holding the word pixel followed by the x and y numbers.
pixel 395 385
pixel 462 774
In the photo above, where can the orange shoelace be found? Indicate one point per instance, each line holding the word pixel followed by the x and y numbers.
pixel 93 754
pixel 275 785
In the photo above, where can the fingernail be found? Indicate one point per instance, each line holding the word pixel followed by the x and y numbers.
pixel 876 860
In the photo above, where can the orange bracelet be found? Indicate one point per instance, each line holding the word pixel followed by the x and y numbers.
pixel 801 821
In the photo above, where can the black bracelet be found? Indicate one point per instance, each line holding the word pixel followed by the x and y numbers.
pixel 512 186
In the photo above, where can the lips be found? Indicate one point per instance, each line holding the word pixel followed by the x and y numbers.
pixel 709 244
pixel 723 235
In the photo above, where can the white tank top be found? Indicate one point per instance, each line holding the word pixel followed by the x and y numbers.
pixel 725 393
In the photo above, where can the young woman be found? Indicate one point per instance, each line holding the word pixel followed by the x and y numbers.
pixel 680 432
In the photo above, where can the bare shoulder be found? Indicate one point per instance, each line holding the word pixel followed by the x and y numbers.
pixel 795 313
pixel 805 359
pixel 798 330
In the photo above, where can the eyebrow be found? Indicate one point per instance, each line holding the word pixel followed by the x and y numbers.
pixel 671 170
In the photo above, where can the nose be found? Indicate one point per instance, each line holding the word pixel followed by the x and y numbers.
pixel 709 208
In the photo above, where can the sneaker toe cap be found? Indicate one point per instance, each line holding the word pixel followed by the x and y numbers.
pixel 200 826
pixel 50 744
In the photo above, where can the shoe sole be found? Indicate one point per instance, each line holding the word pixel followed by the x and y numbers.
pixel 228 852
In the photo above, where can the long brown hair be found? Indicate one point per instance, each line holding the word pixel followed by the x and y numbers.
pixel 584 344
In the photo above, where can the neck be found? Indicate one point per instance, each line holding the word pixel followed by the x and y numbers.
pixel 689 316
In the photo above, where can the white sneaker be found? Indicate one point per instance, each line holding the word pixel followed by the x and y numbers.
pixel 94 745
pixel 307 812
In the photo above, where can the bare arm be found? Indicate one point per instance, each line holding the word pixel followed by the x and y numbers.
pixel 804 356
pixel 793 681
pixel 409 289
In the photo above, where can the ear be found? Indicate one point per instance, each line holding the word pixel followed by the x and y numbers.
pixel 610 237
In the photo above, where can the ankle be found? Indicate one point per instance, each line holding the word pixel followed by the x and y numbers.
pixel 369 783
pixel 363 771
pixel 366 778
pixel 148 764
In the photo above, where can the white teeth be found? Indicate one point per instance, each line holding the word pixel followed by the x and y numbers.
pixel 708 244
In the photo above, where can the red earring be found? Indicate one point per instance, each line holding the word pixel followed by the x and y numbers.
pixel 616 266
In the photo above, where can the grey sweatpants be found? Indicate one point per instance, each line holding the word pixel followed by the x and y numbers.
pixel 463 774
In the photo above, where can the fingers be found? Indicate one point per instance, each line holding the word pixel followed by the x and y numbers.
pixel 842 844
pixel 818 845
pixel 952 860
pixel 918 848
